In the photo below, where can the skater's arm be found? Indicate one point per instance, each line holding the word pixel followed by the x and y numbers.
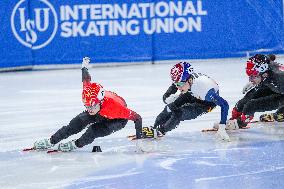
pixel 171 90
pixel 137 121
pixel 126 113
pixel 86 77
pixel 214 97
pixel 182 100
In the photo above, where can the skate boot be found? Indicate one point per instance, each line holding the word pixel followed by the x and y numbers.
pixel 279 117
pixel 43 144
pixel 267 117
pixel 271 117
pixel 67 147
pixel 150 132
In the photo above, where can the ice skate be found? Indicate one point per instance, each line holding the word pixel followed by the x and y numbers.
pixel 67 147
pixel 43 144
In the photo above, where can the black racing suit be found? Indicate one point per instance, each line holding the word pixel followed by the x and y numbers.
pixel 268 95
pixel 185 107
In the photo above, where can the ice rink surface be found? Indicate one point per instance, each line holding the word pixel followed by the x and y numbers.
pixel 34 104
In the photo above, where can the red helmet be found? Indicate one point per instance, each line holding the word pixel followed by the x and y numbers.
pixel 257 65
pixel 181 72
pixel 92 94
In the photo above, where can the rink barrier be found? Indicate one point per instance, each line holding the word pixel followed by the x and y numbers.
pixel 50 33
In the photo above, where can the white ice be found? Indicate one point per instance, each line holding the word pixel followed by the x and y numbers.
pixel 34 104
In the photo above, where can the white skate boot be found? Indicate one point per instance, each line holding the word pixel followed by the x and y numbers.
pixel 43 144
pixel 67 147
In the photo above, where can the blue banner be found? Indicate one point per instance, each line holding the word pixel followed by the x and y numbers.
pixel 43 32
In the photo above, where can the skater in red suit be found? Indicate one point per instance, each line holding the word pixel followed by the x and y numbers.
pixel 105 113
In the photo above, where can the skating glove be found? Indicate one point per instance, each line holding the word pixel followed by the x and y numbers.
pixel 232 124
pixel 171 98
pixel 222 132
pixel 86 62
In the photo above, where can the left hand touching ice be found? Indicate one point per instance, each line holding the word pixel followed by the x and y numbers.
pixel 222 131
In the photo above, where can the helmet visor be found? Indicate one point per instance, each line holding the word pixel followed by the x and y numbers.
pixel 180 84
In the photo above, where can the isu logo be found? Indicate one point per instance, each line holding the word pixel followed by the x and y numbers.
pixel 35 23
